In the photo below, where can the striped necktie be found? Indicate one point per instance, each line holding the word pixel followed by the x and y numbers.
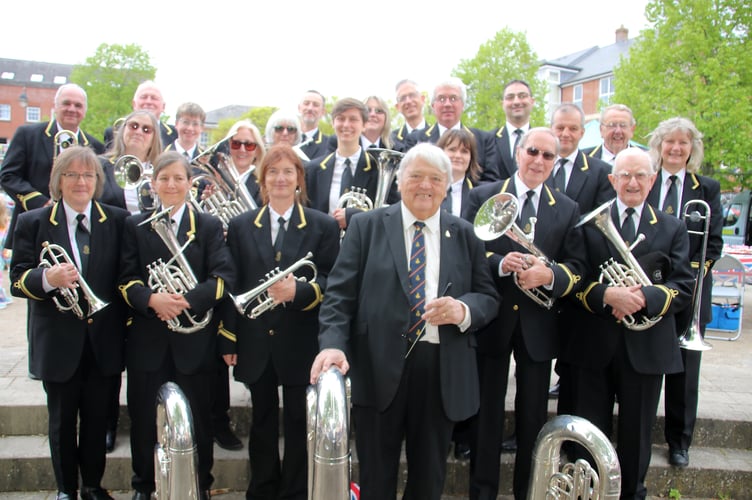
pixel 417 278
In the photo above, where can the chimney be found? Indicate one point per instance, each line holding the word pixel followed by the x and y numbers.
pixel 622 34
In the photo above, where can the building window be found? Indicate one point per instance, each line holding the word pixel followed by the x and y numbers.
pixel 59 80
pixel 554 76
pixel 577 95
pixel 36 77
pixel 5 112
pixel 607 90
pixel 33 114
pixel 7 75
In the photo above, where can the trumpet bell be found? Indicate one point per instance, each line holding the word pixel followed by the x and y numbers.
pixel 692 340
pixel 496 216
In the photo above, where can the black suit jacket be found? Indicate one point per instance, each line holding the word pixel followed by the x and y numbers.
pixel 366 309
pixel 467 185
pixel 588 183
pixel 506 164
pixel 148 337
pixel 57 338
pixel 560 241
pixel 399 136
pixel 25 174
pixel 286 336
pixel 597 151
pixel 597 335
pixel 317 146
pixel 166 133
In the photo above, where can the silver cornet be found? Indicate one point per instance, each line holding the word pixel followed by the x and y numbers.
pixel 260 294
pixel 53 254
pixel 496 217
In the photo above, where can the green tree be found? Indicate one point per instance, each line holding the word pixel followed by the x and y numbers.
pixel 508 56
pixel 110 78
pixel 695 61
pixel 258 116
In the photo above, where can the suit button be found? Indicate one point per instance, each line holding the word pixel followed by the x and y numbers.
pixel 272 332
pixel 90 321
pixel 515 307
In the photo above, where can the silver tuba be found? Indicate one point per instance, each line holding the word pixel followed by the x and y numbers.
pixel 175 454
pixel 497 217
pixel 260 294
pixel 578 480
pixel 328 437
pixel 67 299
pixel 692 339
pixel 614 273
pixel 63 140
pixel 166 277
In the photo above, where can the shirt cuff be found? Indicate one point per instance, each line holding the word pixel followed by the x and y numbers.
pixel 467 320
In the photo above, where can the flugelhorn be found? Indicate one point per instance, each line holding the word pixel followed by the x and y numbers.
pixel 260 294
pixel 496 217
pixel 166 277
pixel 63 140
pixel 615 273
pixel 53 254
pixel 691 338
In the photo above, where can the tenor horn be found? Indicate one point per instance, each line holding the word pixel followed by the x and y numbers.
pixel 175 275
pixel 388 162
pixel 67 298
pixel 130 173
pixel 260 294
pixel 691 338
pixel 328 437
pixel 579 480
pixel 496 217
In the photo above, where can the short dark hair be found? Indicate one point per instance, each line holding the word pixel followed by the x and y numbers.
pixel 348 103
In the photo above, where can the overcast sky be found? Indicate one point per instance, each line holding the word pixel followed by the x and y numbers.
pixel 269 52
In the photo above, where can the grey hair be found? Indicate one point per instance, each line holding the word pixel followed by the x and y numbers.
pixel 428 153
pixel 453 82
pixel 282 116
pixel 677 124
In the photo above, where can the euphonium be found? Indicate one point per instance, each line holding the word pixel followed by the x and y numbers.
pixel 130 174
pixel 328 437
pixel 53 254
pixel 692 339
pixel 175 454
pixel 63 140
pixel 578 480
pixel 260 294
pixel 497 217
pixel 166 277
pixel 614 273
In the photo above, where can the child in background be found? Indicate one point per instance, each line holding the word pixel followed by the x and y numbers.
pixel 5 299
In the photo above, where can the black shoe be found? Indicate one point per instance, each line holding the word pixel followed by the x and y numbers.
pixel 509 445
pixel 553 391
pixel 225 438
pixel 140 495
pixel 65 496
pixel 109 440
pixel 678 458
pixel 462 451
pixel 95 494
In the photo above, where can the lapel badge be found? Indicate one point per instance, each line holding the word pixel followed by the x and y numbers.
pixel 446 234
pixel 86 250
pixel 657 276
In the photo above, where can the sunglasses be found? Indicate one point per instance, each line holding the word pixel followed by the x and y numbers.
pixel 547 155
pixel 290 129
pixel 146 129
pixel 249 146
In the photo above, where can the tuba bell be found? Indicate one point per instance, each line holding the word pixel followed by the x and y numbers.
pixel 578 480
pixel 166 277
pixel 691 338
pixel 614 273
pixel 67 298
pixel 496 217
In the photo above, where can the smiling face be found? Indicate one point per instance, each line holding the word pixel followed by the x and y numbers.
pixel 447 105
pixel 459 155
pixel 676 148
pixel 617 130
pixel 376 118
pixel 241 157
pixel 149 98
pixel 70 108
pixel 172 184
pixel 533 166
pixel 518 104
pixel 348 126
pixel 567 125
pixel 281 180
pixel 311 109
pixel 137 140
pixel 632 176
pixel 423 187
pixel 78 184
pixel 410 102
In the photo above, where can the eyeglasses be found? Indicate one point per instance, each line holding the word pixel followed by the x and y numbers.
pixel 378 111
pixel 547 155
pixel 621 125
pixel 146 129
pixel 628 176
pixel 451 98
pixel 74 176
pixel 405 97
pixel 290 129
pixel 249 146
pixel 519 95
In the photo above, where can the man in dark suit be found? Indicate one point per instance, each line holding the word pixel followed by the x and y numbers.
pixel 147 97
pixel 448 103
pixel 523 326
pixel 611 359
pixel 77 355
pixel 518 102
pixel 25 174
pixel 410 102
pixel 413 360
pixel 617 126
pixel 312 108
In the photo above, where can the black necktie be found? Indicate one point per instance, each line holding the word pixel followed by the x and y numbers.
pixel 518 133
pixel 303 138
pixel 346 177
pixel 628 226
pixel 560 178
pixel 280 239
pixel 83 242
pixel 528 211
pixel 448 200
pixel 417 277
pixel 671 202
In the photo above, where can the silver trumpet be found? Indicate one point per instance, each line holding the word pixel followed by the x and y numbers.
pixel 260 294
pixel 63 140
pixel 579 480
pixel 328 437
pixel 130 174
pixel 496 217
pixel 691 339
pixel 166 277
pixel 615 273
pixel 175 454
pixel 67 299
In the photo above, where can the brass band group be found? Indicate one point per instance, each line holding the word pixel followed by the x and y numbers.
pixel 416 261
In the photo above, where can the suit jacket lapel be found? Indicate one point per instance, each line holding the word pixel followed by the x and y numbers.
pixel 58 228
pixel 447 250
pixel 294 237
pixel 396 242
pixel 262 235
pixel 578 176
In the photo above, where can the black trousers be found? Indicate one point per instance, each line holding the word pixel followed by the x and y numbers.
pixel 681 396
pixel 417 414
pixel 221 395
pixel 85 397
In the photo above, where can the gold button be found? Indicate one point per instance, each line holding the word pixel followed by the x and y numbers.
pixel 90 321
pixel 515 307
pixel 271 332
